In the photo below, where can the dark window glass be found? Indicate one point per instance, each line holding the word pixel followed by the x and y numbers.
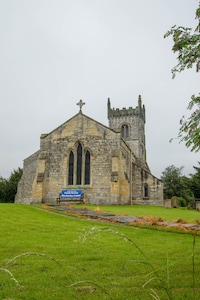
pixel 126 128
pixel 87 167
pixel 71 168
pixel 124 131
pixel 146 190
pixel 79 164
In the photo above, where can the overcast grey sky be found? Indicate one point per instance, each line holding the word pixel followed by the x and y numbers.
pixel 55 52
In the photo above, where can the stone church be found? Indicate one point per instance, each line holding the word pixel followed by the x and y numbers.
pixel 108 163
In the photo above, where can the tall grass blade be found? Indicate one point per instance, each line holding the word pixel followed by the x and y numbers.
pixel 30 254
pixel 11 275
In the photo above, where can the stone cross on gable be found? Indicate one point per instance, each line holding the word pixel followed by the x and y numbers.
pixel 80 104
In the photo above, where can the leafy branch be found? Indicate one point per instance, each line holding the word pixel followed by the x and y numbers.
pixel 187 44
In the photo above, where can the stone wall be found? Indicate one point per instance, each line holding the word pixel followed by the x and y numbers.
pixel 24 191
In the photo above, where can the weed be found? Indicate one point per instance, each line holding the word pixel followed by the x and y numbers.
pixel 155 273
pixel 11 275
pixel 81 287
pixel 197 221
pixel 181 221
pixel 150 220
pixel 13 260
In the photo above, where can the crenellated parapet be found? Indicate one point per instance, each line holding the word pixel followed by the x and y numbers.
pixel 138 111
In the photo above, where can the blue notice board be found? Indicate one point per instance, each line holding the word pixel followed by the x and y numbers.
pixel 71 193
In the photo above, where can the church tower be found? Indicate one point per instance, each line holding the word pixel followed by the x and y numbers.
pixel 131 123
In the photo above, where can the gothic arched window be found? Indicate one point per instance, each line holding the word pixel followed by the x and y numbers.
pixel 124 131
pixel 79 164
pixel 71 168
pixel 87 167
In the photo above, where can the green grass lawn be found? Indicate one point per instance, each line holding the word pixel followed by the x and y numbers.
pixel 59 257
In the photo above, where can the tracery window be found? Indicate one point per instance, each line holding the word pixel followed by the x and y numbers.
pixel 124 131
pixel 79 166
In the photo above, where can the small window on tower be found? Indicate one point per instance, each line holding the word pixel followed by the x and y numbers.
pixel 124 131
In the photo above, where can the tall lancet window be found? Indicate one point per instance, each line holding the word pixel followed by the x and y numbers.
pixel 71 168
pixel 87 167
pixel 79 164
pixel 146 190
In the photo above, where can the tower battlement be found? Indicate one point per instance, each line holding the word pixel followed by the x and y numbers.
pixel 138 111
pixel 131 122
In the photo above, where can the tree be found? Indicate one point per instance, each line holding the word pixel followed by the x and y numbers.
pixel 3 184
pixel 176 185
pixel 195 183
pixel 171 178
pixel 8 187
pixel 187 45
pixel 186 194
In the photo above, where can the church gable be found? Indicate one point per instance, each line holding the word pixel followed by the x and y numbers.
pixel 77 154
pixel 77 126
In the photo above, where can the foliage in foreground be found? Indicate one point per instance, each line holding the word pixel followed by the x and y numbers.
pixel 91 261
pixel 187 45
